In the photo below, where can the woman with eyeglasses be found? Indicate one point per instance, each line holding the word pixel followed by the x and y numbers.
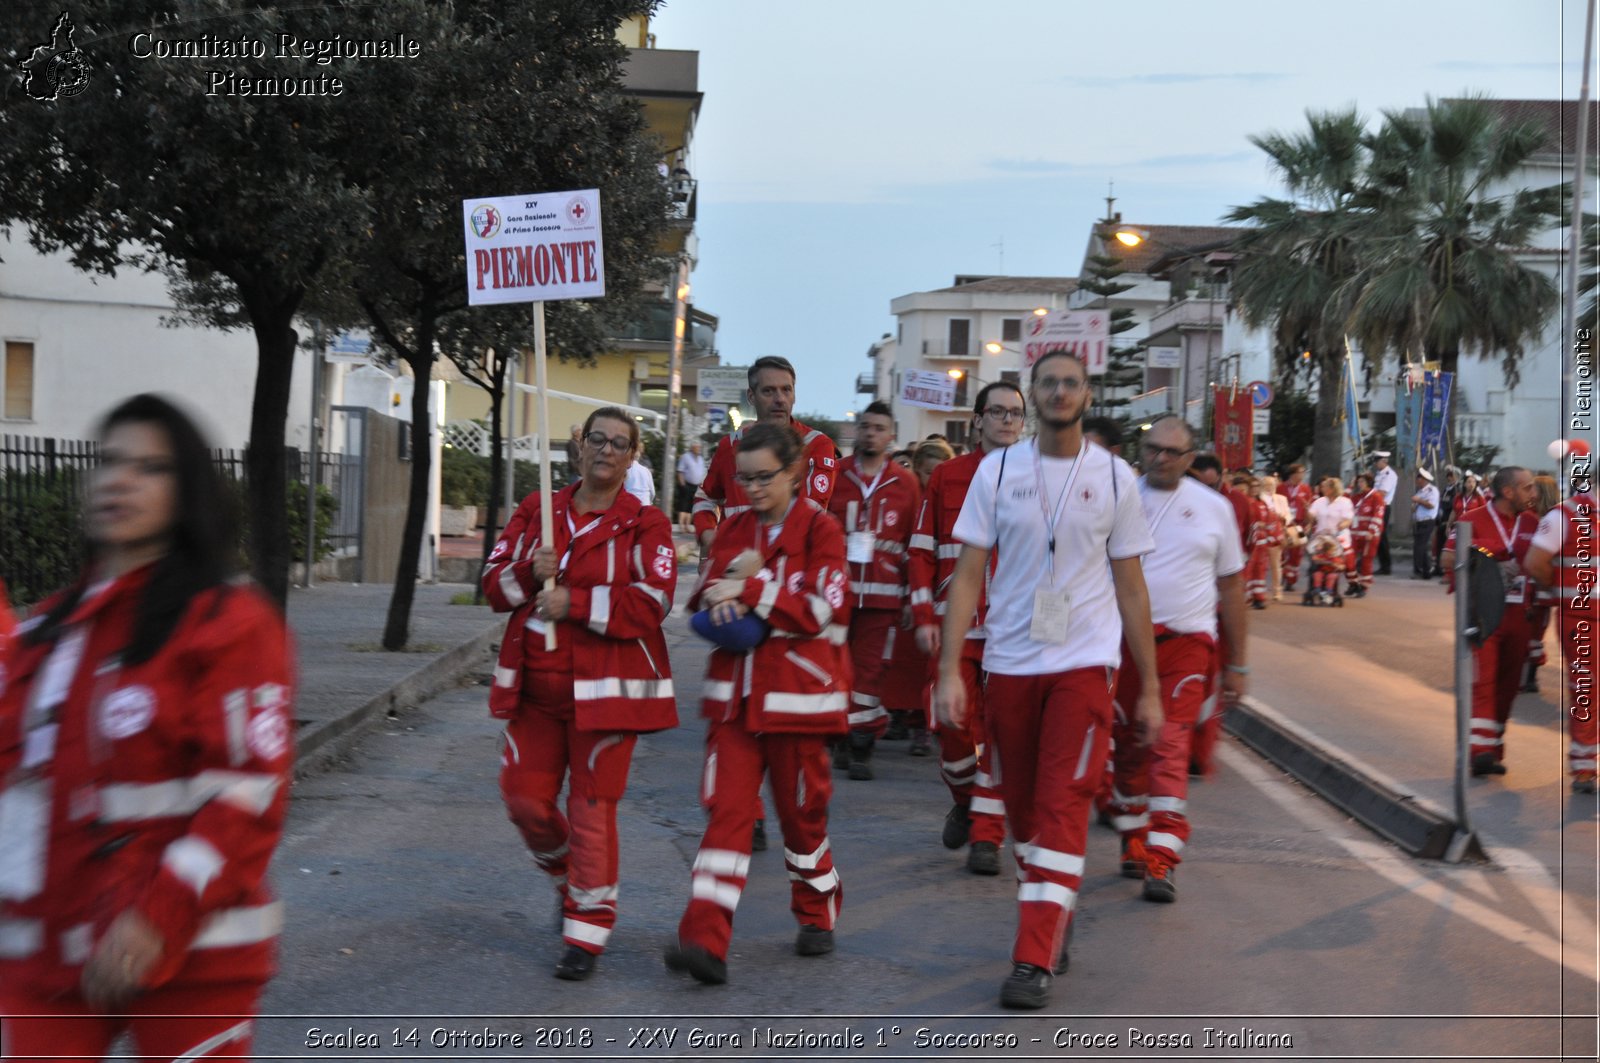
pixel 145 752
pixel 771 709
pixel 575 710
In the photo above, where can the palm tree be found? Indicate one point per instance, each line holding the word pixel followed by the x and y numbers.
pixel 1298 255
pixel 1443 278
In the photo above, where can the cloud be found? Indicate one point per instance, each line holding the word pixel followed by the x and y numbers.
pixel 1256 77
pixel 1052 166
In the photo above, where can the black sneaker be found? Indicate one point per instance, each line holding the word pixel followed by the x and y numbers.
pixel 813 941
pixel 899 730
pixel 1159 884
pixel 575 964
pixel 860 753
pixel 1135 860
pixel 841 754
pixel 983 858
pixel 921 743
pixel 1026 987
pixel 758 837
pixel 1583 782
pixel 956 825
pixel 1485 764
pixel 697 961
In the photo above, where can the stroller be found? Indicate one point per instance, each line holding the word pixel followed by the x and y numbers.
pixel 1327 565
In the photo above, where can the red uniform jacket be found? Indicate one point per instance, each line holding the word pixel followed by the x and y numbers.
pixel 620 569
pixel 1299 496
pixel 1465 502
pixel 1575 584
pixel 797 681
pixel 934 547
pixel 720 491
pixel 1368 523
pixel 1266 527
pixel 889 512
pixel 1505 539
pixel 166 785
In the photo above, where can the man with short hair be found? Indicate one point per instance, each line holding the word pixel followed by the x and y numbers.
pixel 1386 481
pixel 1503 530
pixel 978 813
pixel 1193 576
pixel 876 501
pixel 691 473
pixel 1424 515
pixel 1067 587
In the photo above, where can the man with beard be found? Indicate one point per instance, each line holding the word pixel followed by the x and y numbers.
pixel 876 502
pixel 1065 518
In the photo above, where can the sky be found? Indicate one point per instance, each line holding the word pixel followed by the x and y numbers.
pixel 849 153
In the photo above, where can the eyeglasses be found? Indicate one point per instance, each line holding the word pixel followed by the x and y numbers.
pixel 1001 413
pixel 600 441
pixel 1049 385
pixel 1164 452
pixel 763 479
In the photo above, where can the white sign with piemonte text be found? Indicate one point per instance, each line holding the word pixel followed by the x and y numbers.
pixel 1085 333
pixel 928 390
pixel 534 248
pixel 725 384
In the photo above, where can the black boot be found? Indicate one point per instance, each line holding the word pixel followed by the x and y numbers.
pixel 860 756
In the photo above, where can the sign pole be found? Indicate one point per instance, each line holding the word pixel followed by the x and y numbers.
pixel 669 448
pixel 546 516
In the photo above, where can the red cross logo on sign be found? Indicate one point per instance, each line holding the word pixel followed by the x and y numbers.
pixel 577 210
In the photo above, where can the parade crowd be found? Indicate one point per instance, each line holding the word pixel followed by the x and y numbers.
pixel 1060 628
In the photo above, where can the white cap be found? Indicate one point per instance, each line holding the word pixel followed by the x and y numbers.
pixel 1380 453
pixel 1425 474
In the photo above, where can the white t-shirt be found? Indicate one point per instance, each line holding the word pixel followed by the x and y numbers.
pixel 1197 543
pixel 1094 520
pixel 639 483
pixel 1326 517
pixel 1387 481
pixel 692 467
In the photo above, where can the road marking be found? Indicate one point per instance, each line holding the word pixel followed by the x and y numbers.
pixel 1401 870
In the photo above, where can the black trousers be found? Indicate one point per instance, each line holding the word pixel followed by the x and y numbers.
pixel 1383 544
pixel 1422 542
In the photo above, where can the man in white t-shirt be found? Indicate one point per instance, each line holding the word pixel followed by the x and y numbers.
pixel 1386 481
pixel 1193 570
pixel 1064 517
pixel 691 473
pixel 639 481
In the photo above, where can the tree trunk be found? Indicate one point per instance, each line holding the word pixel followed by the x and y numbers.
pixel 1327 445
pixel 264 457
pixel 397 629
pixel 497 474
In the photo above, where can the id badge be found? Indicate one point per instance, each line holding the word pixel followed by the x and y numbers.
pixel 1052 610
pixel 1517 590
pixel 24 833
pixel 859 546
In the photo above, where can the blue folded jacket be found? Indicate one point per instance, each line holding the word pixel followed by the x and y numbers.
pixel 738 635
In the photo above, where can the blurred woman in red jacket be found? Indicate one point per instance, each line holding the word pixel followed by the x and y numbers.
pixel 576 710
pixel 772 708
pixel 145 750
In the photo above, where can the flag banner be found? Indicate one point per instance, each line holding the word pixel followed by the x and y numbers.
pixel 1435 414
pixel 1234 422
pixel 1407 421
pixel 1351 414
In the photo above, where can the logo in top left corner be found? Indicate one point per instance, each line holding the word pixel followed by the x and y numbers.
pixel 485 221
pixel 59 69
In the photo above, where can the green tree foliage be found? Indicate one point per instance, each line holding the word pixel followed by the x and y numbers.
pixel 1292 429
pixel 1124 365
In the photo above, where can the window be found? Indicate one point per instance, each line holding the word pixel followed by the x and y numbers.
pixel 17 388
pixel 1010 329
pixel 960 335
pixel 956 432
pixel 961 392
pixel 1011 376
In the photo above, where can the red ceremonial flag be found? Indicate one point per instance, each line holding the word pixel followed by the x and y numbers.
pixel 1235 427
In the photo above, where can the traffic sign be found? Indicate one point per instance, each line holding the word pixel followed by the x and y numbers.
pixel 1261 394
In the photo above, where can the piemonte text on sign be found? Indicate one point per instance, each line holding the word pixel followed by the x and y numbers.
pixel 539 247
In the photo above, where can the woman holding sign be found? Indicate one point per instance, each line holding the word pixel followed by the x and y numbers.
pixel 574 710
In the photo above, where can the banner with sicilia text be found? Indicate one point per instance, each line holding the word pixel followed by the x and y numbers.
pixel 534 248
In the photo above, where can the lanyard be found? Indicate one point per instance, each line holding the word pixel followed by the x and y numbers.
pixel 867 491
pixel 1061 503
pixel 1501 528
pixel 573 532
pixel 1159 517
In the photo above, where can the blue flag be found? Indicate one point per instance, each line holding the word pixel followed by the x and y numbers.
pixel 1352 413
pixel 1407 421
pixel 1435 412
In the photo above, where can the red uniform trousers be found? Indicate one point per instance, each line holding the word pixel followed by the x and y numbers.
pixel 579 850
pixel 1050 734
pixel 1538 624
pixel 1160 771
pixel 1363 551
pixel 964 757
pixel 1255 574
pixel 1208 726
pixel 869 659
pixel 1583 725
pixel 905 676
pixel 1292 557
pixel 802 783
pixel 1496 679
pixel 170 1023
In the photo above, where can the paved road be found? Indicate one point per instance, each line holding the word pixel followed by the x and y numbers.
pixel 411 901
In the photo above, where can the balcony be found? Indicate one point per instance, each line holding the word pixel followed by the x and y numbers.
pixel 867 384
pixel 942 348
pixel 1185 315
pixel 663 71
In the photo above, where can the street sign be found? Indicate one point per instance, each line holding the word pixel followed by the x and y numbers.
pixel 1085 333
pixel 927 390
pixel 1261 394
pixel 723 384
pixel 1163 357
pixel 349 348
pixel 534 248
pixel 1262 421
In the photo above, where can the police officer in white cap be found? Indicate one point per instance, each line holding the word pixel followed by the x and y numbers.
pixel 1387 482
pixel 1424 516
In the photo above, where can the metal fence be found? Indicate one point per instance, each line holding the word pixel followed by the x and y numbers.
pixel 44 483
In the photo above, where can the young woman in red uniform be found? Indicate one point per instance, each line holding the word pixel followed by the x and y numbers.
pixel 145 751
pixel 772 708
pixel 575 711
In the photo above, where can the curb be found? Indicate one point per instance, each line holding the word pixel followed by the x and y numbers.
pixel 1411 821
pixel 330 739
